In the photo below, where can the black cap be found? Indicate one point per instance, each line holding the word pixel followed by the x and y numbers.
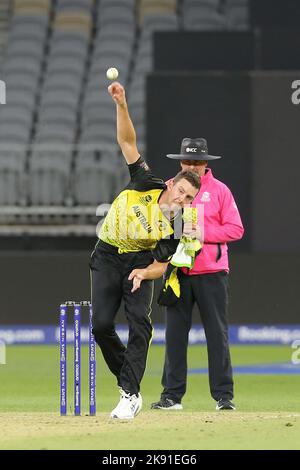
pixel 193 149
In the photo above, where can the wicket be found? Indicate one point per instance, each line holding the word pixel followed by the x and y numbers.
pixel 77 358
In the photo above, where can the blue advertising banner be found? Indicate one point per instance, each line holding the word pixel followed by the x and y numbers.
pixel 238 334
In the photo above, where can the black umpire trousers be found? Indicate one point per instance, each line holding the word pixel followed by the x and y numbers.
pixel 210 292
pixel 110 284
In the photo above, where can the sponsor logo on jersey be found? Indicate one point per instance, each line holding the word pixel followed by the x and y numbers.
pixel 145 199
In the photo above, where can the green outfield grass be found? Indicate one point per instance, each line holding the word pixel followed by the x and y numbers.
pixel 268 414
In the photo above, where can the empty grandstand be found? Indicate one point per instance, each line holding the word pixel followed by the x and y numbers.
pixel 58 153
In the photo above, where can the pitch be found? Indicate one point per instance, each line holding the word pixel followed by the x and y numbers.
pixel 268 415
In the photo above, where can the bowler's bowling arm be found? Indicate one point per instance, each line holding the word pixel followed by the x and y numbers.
pixel 126 135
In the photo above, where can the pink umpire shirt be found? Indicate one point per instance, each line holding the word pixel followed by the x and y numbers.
pixel 222 223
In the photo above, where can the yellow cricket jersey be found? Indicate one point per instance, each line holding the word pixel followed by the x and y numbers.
pixel 135 222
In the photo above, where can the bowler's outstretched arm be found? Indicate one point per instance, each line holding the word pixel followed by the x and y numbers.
pixel 125 130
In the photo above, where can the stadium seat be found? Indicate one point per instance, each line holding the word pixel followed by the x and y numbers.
pixel 94 182
pixel 11 172
pixel 97 113
pixel 156 7
pixel 55 133
pixel 121 11
pixel 27 31
pixel 15 114
pixel 22 47
pixel 33 20
pixel 22 81
pixel 202 16
pixel 48 181
pixel 124 34
pixel 78 5
pixel 156 22
pixel 17 97
pixel 129 4
pixel 73 20
pixel 22 65
pixel 62 81
pixel 112 49
pixel 69 49
pixel 66 64
pixel 49 150
pixel 57 115
pixel 104 133
pixel 31 7
pixel 14 133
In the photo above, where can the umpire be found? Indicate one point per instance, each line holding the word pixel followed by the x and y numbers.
pixel 206 284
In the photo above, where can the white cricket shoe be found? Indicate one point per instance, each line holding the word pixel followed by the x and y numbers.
pixel 128 407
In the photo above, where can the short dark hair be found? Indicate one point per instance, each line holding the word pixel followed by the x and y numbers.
pixel 190 176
